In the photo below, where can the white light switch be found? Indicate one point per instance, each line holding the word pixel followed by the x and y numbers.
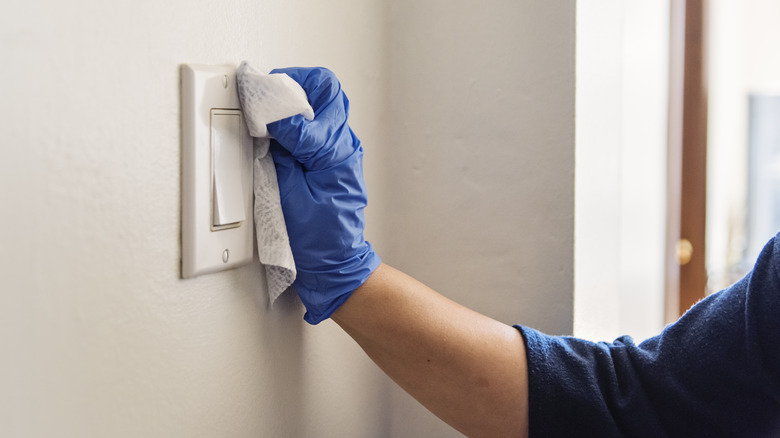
pixel 217 230
pixel 228 206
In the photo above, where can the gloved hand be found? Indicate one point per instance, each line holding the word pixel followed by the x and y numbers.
pixel 320 173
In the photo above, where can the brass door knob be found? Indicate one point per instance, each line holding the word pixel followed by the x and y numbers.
pixel 684 251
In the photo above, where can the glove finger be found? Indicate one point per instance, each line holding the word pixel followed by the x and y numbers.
pixel 320 84
pixel 319 143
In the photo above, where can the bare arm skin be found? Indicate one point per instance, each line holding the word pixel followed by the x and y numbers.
pixel 466 368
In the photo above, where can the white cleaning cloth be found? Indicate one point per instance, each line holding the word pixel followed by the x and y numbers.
pixel 267 98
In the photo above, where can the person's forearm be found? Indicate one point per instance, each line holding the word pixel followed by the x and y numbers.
pixel 466 368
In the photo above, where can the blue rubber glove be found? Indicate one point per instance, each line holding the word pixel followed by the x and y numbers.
pixel 320 172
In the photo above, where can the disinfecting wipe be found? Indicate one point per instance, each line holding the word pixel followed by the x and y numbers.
pixel 267 98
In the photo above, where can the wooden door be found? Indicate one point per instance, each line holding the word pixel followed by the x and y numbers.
pixel 687 168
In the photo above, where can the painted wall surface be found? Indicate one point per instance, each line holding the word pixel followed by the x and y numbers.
pixel 481 196
pixel 100 337
pixel 467 117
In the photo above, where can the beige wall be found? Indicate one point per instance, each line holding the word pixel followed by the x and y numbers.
pixel 99 336
pixel 471 191
pixel 481 195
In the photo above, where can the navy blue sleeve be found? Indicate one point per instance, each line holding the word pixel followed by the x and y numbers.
pixel 713 373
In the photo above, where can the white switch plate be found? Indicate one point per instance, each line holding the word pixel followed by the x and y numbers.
pixel 207 248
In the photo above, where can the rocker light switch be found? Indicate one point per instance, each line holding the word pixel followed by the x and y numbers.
pixel 217 230
pixel 228 205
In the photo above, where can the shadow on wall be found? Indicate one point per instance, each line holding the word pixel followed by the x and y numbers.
pixel 282 347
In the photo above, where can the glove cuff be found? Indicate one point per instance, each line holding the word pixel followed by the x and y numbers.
pixel 323 293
